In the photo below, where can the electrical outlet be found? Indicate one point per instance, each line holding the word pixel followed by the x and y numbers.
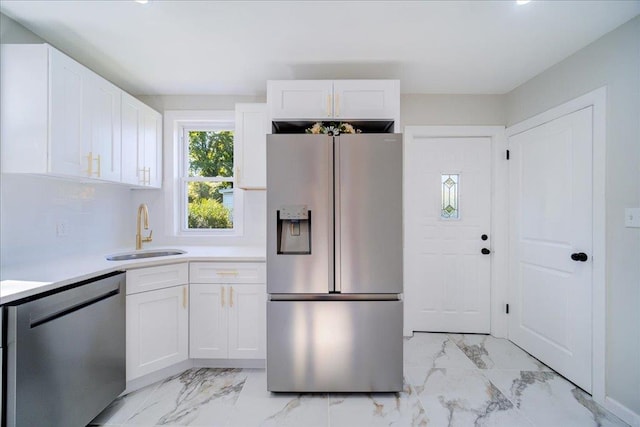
pixel 632 217
pixel 62 228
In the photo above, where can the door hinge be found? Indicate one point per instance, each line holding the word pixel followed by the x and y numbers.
pixel 508 154
pixel 507 308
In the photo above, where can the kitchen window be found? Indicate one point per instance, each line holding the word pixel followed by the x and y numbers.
pixel 203 200
pixel 207 177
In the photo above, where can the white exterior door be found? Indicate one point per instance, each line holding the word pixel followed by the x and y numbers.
pixel 551 244
pixel 447 215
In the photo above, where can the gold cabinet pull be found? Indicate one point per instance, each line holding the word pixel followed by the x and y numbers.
pixel 146 176
pixel 231 296
pixel 227 273
pixel 336 107
pixel 90 160
pixel 184 296
pixel 328 105
pixel 90 163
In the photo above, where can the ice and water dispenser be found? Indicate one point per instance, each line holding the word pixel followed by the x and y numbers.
pixel 294 230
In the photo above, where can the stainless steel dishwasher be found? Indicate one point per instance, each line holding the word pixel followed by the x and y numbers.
pixel 66 354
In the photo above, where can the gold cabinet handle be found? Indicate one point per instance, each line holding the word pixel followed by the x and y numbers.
pixel 184 296
pixel 227 273
pixel 90 160
pixel 336 107
pixel 231 296
pixel 222 297
pixel 328 105
pixel 90 164
pixel 146 176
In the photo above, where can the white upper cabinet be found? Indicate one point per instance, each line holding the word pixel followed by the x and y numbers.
pixel 66 142
pixel 141 143
pixel 60 118
pixel 366 99
pixel 334 99
pixel 102 129
pixel 252 127
pixel 300 99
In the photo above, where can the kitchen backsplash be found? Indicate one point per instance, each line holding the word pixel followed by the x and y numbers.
pixel 44 218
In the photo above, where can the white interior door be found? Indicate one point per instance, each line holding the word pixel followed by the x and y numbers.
pixel 551 244
pixel 447 213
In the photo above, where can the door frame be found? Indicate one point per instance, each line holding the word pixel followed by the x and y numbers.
pixel 596 99
pixel 499 212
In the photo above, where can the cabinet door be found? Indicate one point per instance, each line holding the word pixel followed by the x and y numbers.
pixel 141 143
pixel 366 99
pixel 131 123
pixel 300 99
pixel 69 143
pixel 208 321
pixel 157 330
pixel 250 149
pixel 247 321
pixel 150 149
pixel 103 122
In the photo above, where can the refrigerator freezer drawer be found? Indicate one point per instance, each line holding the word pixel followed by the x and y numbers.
pixel 334 346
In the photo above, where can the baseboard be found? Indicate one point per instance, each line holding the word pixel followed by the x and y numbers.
pixel 622 412
pixel 229 363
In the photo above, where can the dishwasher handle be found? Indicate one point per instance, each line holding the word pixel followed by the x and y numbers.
pixel 35 322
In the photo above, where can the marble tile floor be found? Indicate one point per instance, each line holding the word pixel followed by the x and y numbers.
pixel 450 380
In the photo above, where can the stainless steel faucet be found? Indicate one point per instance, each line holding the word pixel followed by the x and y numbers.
pixel 143 213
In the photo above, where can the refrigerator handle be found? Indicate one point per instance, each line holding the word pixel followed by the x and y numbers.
pixel 335 199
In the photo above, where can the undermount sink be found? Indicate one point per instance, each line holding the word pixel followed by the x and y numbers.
pixel 144 254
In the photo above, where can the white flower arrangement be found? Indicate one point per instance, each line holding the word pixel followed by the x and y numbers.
pixel 332 128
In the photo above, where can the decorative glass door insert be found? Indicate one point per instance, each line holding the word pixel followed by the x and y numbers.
pixel 449 207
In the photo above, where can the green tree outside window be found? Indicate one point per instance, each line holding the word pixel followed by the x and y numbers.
pixel 210 156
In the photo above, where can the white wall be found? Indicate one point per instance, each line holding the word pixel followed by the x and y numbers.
pixel 423 109
pixel 612 61
pixel 97 218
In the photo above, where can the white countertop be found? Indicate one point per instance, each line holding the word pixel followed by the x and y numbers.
pixel 31 279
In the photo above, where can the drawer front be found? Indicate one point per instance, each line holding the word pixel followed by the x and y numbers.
pixel 164 276
pixel 227 272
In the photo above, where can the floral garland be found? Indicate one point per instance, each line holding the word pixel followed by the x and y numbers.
pixel 332 128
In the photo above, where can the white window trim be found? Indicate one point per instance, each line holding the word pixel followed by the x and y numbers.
pixel 174 123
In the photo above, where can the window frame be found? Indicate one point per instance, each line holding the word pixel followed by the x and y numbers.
pixel 178 123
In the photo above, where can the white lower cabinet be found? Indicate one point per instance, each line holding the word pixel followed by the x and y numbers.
pixel 157 319
pixel 228 311
pixel 220 316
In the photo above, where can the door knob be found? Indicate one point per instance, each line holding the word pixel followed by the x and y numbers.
pixel 579 256
pixel 485 251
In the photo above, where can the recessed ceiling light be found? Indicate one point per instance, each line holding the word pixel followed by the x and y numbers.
pixel 142 1
pixel 521 2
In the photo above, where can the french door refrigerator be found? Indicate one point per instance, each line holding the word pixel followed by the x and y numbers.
pixel 334 263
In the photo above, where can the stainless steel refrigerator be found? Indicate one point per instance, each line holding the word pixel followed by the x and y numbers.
pixel 334 263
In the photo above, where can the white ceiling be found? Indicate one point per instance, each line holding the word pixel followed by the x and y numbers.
pixel 215 47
